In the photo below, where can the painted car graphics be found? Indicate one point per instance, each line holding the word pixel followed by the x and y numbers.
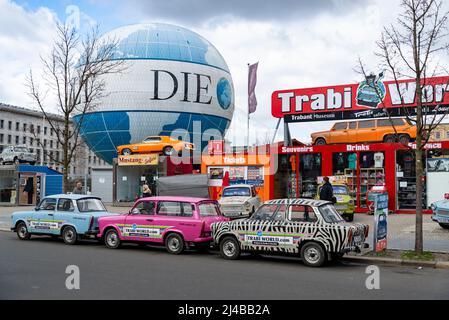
pixel 336 237
pixel 134 230
pixel 39 224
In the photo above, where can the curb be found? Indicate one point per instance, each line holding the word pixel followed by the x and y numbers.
pixel 399 262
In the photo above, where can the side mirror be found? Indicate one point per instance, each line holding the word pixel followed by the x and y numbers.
pixel 36 209
pixel 134 211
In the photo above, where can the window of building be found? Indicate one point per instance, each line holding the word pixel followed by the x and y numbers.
pixel 51 132
pixel 2 123
pixel 45 142
pixel 45 130
pixel 17 126
pixel 24 127
pixel 447 134
pixel 31 141
pixel 437 135
pixel 9 125
pixel 1 137
pixel 9 139
pixel 17 139
pixel 24 140
pixel 32 128
pixel 38 129
pixel 51 143
pixel 90 159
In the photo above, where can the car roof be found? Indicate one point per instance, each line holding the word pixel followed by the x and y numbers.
pixel 239 186
pixel 71 196
pixel 177 198
pixel 302 202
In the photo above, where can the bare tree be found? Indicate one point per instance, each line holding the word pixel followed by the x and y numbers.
pixel 73 73
pixel 410 50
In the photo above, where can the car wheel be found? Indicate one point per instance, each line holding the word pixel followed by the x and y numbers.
pixel 404 138
pixel 168 151
pixel 174 243
pixel 22 231
pixel 69 235
pixel 313 254
pixel 127 152
pixel 230 248
pixel 320 142
pixel 112 239
pixel 444 225
pixel 389 139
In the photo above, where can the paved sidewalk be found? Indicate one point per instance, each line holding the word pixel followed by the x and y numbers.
pixel 401 229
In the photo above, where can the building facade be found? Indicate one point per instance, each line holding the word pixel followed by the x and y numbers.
pixel 440 133
pixel 17 125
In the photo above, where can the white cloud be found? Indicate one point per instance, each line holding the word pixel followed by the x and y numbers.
pixel 24 36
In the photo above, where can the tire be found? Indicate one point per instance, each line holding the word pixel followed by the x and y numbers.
pixel 404 138
pixel 22 231
pixel 389 139
pixel 112 239
pixel 127 152
pixel 174 243
pixel 313 255
pixel 230 248
pixel 320 142
pixel 69 235
pixel 444 225
pixel 168 151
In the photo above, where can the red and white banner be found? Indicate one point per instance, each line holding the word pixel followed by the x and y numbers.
pixel 372 98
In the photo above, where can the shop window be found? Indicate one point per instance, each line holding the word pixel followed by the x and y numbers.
pixel 343 162
pixel 406 181
pixel 372 173
pixel 309 170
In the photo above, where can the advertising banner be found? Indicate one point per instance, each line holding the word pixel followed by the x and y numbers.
pixel 371 98
pixel 380 222
pixel 138 160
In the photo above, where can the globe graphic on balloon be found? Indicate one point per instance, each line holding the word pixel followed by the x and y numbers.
pixel 175 83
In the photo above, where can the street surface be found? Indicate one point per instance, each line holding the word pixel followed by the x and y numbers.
pixel 401 229
pixel 35 269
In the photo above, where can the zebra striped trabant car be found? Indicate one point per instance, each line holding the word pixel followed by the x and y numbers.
pixel 311 228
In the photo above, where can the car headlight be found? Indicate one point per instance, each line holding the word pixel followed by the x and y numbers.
pixel 247 205
pixel 351 202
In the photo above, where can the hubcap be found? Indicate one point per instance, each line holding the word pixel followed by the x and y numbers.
pixel 112 239
pixel 312 255
pixel 229 248
pixel 23 231
pixel 126 152
pixel 174 244
pixel 69 235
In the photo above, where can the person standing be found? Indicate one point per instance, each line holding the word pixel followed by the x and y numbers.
pixel 146 191
pixel 327 191
pixel 29 190
pixel 78 188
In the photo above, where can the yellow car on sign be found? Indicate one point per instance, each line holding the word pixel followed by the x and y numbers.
pixel 156 144
pixel 345 203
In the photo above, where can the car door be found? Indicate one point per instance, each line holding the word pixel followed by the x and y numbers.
pixel 339 133
pixel 42 220
pixel 65 214
pixel 366 131
pixel 140 223
pixel 300 225
pixel 179 216
pixel 265 231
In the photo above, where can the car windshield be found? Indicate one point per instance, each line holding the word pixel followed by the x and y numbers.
pixel 236 192
pixel 209 209
pixel 340 189
pixel 330 214
pixel 90 205
pixel 265 212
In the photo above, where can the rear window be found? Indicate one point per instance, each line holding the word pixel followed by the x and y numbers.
pixel 367 124
pixel 209 209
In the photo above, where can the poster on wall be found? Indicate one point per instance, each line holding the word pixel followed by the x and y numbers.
pixel 215 175
pixel 237 175
pixel 255 176
pixel 380 222
pixel 438 165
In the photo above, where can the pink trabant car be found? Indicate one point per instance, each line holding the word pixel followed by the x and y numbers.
pixel 177 222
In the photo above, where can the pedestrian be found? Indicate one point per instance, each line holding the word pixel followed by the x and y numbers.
pixel 29 190
pixel 78 188
pixel 146 191
pixel 327 191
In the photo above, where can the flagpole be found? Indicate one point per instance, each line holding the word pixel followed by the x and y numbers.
pixel 247 136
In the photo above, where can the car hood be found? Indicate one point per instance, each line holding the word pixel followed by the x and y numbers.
pixel 442 204
pixel 234 200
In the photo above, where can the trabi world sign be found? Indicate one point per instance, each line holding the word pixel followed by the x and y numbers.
pixel 371 98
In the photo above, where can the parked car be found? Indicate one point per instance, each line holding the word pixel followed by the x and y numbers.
pixel 345 203
pixel 440 212
pixel 17 155
pixel 73 217
pixel 311 228
pixel 176 222
pixel 239 201
pixel 156 144
pixel 380 130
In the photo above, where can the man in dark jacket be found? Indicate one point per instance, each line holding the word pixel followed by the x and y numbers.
pixel 326 191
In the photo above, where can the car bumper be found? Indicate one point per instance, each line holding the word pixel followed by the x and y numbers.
pixel 441 219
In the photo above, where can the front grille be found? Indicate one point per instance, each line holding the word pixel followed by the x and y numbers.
pixel 441 212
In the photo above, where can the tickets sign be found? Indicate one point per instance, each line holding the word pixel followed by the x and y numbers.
pixel 371 98
pixel 138 160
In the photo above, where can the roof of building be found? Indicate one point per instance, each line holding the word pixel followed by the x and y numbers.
pixel 29 112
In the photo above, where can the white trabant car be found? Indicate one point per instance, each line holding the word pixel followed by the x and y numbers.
pixel 239 201
pixel 17 155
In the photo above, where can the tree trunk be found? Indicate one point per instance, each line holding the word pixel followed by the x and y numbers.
pixel 419 195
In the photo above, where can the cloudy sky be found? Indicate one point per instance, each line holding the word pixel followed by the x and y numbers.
pixel 298 43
